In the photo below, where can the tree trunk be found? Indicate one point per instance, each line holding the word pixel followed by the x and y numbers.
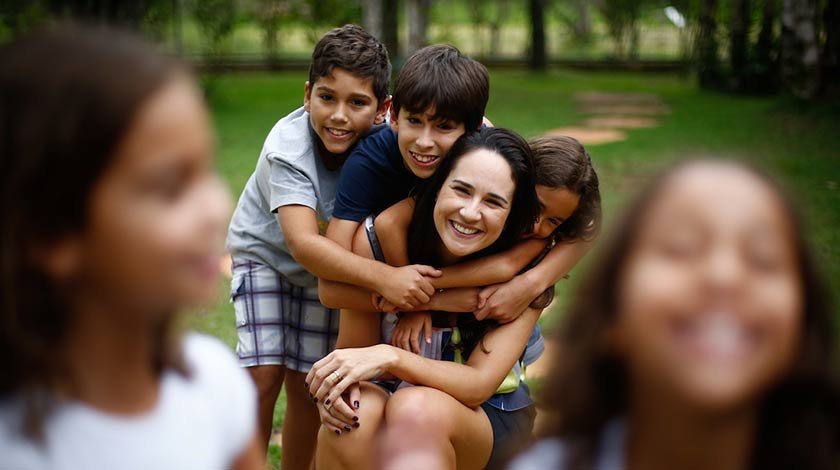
pixel 177 29
pixel 831 49
pixel 800 48
pixel 766 49
pixel 582 28
pixel 418 21
pixel 372 17
pixel 738 29
pixel 707 59
pixel 502 12
pixel 390 27
pixel 538 54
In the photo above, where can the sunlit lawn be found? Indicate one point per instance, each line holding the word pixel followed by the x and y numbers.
pixel 801 148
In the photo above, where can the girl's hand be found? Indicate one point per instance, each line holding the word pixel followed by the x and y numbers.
pixel 408 329
pixel 332 375
pixel 340 417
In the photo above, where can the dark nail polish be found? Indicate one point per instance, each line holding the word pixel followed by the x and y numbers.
pixel 355 418
pixel 347 428
pixel 355 425
pixel 327 402
pixel 306 385
pixel 337 432
pixel 315 399
pixel 356 404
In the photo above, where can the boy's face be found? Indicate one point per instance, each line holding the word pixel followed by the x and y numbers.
pixel 341 107
pixel 423 140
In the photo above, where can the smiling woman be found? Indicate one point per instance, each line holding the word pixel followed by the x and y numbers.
pixel 480 201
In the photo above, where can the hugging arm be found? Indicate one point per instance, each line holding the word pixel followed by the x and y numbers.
pixel 503 302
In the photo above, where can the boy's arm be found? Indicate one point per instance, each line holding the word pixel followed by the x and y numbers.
pixel 500 267
pixel 333 294
pixel 405 287
pixel 392 231
pixel 507 301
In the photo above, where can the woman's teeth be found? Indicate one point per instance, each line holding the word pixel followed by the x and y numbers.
pixel 462 229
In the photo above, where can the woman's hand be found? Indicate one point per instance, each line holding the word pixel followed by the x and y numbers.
pixel 332 375
pixel 340 416
pixel 408 330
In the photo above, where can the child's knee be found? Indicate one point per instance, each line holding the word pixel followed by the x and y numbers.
pixel 267 379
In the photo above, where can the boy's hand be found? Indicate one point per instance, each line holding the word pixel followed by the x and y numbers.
pixel 409 286
pixel 504 302
pixel 409 328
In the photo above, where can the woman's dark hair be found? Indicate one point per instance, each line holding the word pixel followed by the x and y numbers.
pixel 798 419
pixel 562 162
pixel 67 97
pixel 424 240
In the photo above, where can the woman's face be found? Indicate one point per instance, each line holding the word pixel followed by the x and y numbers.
pixel 159 211
pixel 710 300
pixel 474 202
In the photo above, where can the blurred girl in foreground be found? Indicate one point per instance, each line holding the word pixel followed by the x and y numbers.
pixel 702 339
pixel 113 220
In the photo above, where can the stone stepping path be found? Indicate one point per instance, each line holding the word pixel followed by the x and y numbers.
pixel 612 114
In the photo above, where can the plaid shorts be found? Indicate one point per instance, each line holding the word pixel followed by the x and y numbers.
pixel 278 322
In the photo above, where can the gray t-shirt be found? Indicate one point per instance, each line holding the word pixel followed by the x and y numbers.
pixel 289 172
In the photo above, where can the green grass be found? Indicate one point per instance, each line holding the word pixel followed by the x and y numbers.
pixel 802 148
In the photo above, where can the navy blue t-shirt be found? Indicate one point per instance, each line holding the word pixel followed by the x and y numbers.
pixel 373 178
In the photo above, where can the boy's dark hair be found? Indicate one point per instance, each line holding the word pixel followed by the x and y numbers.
pixel 67 97
pixel 799 417
pixel 353 49
pixel 562 162
pixel 440 75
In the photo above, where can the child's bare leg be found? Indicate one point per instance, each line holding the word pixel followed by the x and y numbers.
pixel 300 426
pixel 268 380
pixel 354 449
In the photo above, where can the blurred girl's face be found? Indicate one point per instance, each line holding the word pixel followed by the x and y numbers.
pixel 158 213
pixel 710 300
pixel 474 202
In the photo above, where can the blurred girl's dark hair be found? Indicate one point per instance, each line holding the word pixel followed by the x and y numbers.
pixel 424 240
pixel 562 162
pixel 68 95
pixel 798 419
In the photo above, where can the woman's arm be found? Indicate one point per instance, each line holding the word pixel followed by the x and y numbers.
pixel 471 383
pixel 500 267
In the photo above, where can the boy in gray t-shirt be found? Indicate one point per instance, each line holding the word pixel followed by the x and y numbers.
pixel 276 235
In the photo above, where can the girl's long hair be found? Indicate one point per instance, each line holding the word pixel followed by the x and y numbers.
pixel 798 421
pixel 562 162
pixel 424 241
pixel 67 97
